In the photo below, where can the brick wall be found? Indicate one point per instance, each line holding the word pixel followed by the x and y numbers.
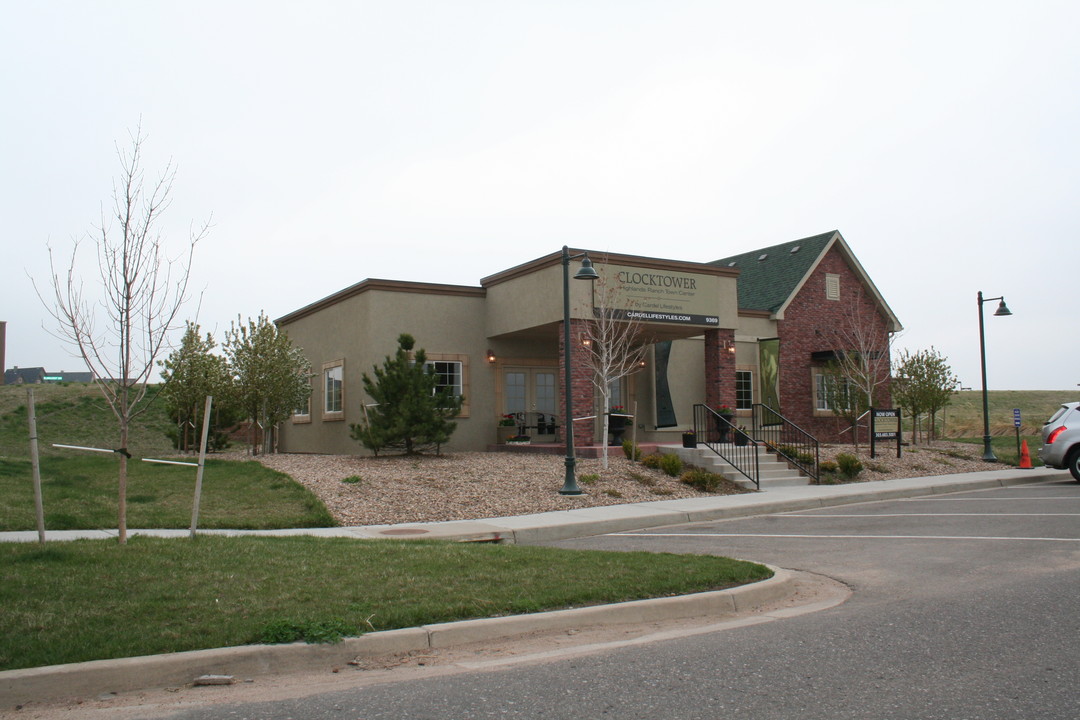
pixel 719 368
pixel 581 384
pixel 806 329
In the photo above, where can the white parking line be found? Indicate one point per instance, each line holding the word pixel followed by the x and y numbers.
pixel 986 499
pixel 927 515
pixel 838 537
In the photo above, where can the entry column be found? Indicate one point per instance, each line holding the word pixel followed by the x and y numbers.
pixel 581 385
pixel 720 368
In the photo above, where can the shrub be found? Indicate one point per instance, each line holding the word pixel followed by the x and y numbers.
pixel 794 453
pixel 352 479
pixel 702 480
pixel 589 478
pixel 849 465
pixel 828 466
pixel 671 464
pixel 631 450
pixel 613 493
pixel 652 460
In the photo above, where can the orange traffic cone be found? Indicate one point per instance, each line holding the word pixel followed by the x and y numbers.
pixel 1025 456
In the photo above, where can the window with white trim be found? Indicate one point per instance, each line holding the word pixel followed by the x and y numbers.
pixel 448 374
pixel 334 390
pixel 302 413
pixel 826 386
pixel 452 371
pixel 744 390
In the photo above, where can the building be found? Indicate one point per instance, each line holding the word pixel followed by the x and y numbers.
pixel 740 331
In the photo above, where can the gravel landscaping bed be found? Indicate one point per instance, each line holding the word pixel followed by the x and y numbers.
pixel 472 485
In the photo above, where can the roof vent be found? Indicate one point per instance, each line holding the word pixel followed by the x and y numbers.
pixel 732 264
pixel 795 249
pixel 763 256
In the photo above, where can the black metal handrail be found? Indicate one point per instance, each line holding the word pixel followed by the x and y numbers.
pixel 737 448
pixel 787 440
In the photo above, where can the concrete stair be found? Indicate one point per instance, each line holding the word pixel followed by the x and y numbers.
pixel 772 473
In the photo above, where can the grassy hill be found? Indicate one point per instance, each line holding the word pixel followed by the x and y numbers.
pixel 963 417
pixel 75 414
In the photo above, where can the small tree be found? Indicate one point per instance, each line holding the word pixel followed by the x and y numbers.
pixel 410 411
pixel 924 384
pixel 121 334
pixel 616 348
pixel 861 341
pixel 846 399
pixel 271 376
pixel 191 373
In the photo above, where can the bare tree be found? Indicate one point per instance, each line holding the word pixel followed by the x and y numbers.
pixel 121 332
pixel 861 341
pixel 616 347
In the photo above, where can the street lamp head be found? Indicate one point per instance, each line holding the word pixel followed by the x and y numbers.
pixel 1002 309
pixel 586 272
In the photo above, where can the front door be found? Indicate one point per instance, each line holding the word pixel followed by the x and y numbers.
pixel 529 394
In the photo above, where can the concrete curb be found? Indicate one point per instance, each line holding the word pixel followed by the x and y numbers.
pixel 75 680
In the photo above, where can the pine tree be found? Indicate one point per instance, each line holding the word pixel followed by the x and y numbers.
pixel 410 411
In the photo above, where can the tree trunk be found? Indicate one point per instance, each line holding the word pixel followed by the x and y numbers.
pixel 121 512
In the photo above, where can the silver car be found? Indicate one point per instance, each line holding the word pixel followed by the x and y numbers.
pixel 1061 439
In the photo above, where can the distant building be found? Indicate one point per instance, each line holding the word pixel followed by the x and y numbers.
pixel 24 376
pixel 38 376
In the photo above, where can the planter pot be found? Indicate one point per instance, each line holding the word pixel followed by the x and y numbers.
pixel 689 440
pixel 723 428
pixel 617 426
pixel 741 438
pixel 504 433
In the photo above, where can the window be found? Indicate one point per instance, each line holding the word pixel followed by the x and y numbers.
pixel 452 371
pixel 827 387
pixel 334 390
pixel 744 390
pixel 448 374
pixel 302 413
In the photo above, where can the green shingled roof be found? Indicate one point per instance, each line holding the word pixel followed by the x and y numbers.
pixel 769 276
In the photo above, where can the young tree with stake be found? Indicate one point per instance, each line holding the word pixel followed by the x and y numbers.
pixel 121 333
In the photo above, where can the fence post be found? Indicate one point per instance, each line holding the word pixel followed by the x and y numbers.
pixel 39 507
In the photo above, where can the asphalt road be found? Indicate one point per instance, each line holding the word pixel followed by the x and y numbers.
pixel 964 606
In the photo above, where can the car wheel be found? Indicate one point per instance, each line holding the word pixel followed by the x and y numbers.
pixel 1073 462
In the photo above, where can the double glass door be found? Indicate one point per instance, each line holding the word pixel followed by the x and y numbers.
pixel 530 395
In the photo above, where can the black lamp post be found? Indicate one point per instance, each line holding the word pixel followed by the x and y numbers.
pixel 988 452
pixel 570 486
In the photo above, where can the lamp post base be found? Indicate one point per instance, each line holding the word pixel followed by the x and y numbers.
pixel 570 486
pixel 988 451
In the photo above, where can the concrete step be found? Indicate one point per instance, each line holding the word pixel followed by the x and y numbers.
pixel 772 473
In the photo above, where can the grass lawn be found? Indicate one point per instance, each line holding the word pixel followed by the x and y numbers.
pixel 79 493
pixel 85 600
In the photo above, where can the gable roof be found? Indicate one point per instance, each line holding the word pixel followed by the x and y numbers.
pixel 771 277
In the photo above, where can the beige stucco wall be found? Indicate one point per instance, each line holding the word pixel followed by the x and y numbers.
pixel 362 330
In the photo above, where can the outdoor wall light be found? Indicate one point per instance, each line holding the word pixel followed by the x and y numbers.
pixel 1002 311
pixel 491 356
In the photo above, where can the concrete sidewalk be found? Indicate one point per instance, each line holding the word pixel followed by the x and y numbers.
pixel 564 524
pixel 48 684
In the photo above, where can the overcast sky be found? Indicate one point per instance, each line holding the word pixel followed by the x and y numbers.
pixel 444 141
